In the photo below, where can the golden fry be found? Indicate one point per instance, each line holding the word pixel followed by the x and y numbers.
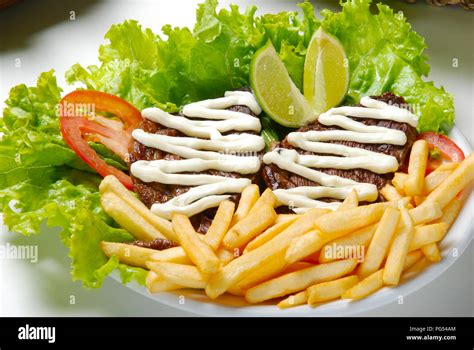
pixel 435 178
pixel 413 185
pixel 128 218
pixel 348 243
pixel 294 300
pixel 225 256
pixel 425 213
pixel 378 247
pixel 299 280
pixel 398 182
pixel 351 201
pixel 198 251
pixel 411 259
pixel 461 177
pixel 248 198
pixel 427 234
pixel 127 253
pixel 431 251
pixel 269 234
pixel 285 217
pixel 260 217
pixel 111 184
pixel 156 283
pixel 186 276
pixel 450 212
pixel 175 255
pixel 398 249
pixel 330 290
pixel 390 193
pixel 365 287
pixel 220 224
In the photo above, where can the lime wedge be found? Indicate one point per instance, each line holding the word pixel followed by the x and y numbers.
pixel 326 72
pixel 275 91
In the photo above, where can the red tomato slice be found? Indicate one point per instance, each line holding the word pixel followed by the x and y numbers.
pixel 449 151
pixel 78 129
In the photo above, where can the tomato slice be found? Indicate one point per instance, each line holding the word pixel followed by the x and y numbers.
pixel 447 149
pixel 79 125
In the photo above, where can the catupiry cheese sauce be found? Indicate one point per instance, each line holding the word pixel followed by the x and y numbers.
pixel 203 148
pixel 303 198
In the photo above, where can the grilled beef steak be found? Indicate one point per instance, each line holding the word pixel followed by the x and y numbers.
pixel 155 192
pixel 276 178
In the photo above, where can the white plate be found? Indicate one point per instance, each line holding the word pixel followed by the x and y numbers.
pixel 452 246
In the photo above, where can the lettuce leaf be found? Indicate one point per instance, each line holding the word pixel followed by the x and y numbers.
pixel 41 178
pixel 386 55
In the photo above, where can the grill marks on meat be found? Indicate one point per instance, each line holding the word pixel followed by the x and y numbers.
pixel 157 244
pixel 154 192
pixel 278 178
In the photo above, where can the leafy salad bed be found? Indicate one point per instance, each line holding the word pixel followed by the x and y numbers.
pixel 42 179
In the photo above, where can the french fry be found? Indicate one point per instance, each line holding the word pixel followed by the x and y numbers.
pixel 128 218
pixel 427 234
pixel 332 226
pixel 450 212
pixel 390 193
pixel 431 251
pixel 398 182
pixel 269 234
pixel 351 201
pixel 398 249
pixel 299 280
pixel 173 255
pixel 365 287
pixel 260 217
pixel 313 258
pixel 186 276
pixel 330 290
pixel 271 269
pixel 294 300
pixel 220 224
pixel 285 217
pixel 417 267
pixel 411 259
pixel 413 185
pixel 380 243
pixel 418 200
pixel 198 251
pixel 127 253
pixel 361 237
pixel 225 256
pixel 461 177
pixel 339 223
pixel 156 283
pixel 425 213
pixel 246 264
pixel 435 178
pixel 111 184
pixel 303 246
pixel 248 198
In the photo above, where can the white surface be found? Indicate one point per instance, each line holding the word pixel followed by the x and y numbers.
pixel 41 36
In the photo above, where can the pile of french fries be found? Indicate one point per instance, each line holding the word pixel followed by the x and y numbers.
pixel 253 252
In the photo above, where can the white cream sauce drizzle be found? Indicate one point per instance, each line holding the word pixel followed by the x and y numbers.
pixel 303 198
pixel 203 148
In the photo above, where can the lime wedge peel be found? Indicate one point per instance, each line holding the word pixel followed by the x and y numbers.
pixel 275 91
pixel 326 72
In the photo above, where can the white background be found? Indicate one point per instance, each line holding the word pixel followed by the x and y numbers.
pixel 41 35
